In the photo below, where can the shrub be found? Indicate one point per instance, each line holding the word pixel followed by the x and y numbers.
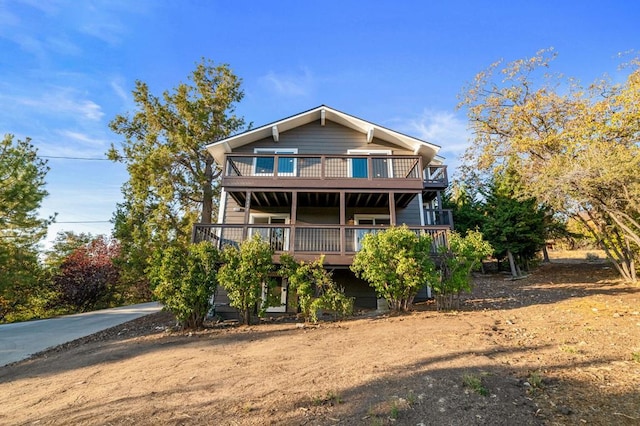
pixel 397 263
pixel 456 263
pixel 315 288
pixel 87 277
pixel 245 273
pixel 184 280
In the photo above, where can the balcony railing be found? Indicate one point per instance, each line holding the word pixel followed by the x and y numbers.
pixel 442 217
pixel 358 169
pixel 343 240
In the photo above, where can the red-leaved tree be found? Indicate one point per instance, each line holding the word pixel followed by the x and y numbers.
pixel 88 276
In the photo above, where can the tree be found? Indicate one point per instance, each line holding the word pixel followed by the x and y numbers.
pixel 456 263
pixel 468 213
pixel 576 147
pixel 173 180
pixel 22 189
pixel 397 263
pixel 65 243
pixel 314 287
pixel 87 278
pixel 514 225
pixel 245 275
pixel 184 280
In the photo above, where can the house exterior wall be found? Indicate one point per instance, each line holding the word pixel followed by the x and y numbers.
pixel 314 139
pixel 331 138
pixel 410 214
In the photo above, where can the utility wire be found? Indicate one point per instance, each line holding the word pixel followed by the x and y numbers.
pixel 84 221
pixel 73 158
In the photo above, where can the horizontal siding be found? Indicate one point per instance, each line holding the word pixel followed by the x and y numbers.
pixel 232 212
pixel 410 214
pixel 326 215
pixel 331 138
pixel 318 215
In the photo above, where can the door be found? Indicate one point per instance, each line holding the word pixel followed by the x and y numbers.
pixel 277 295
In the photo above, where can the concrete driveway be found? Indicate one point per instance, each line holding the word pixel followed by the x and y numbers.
pixel 20 340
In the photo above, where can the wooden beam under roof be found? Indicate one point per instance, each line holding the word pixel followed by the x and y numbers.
pixel 370 135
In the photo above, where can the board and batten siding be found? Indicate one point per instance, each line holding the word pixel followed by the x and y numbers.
pixel 331 138
pixel 410 214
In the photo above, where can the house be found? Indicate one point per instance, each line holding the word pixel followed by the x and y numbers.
pixel 315 183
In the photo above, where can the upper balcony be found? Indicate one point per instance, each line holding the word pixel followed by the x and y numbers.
pixel 295 171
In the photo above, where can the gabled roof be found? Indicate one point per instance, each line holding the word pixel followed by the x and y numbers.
pixel 419 147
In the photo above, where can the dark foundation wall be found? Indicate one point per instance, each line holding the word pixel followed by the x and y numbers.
pixel 365 296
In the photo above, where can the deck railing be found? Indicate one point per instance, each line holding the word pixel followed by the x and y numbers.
pixel 299 166
pixel 443 217
pixel 308 239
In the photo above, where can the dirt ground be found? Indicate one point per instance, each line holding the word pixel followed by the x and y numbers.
pixel 560 347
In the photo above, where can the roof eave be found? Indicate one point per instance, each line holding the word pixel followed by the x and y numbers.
pixel 427 150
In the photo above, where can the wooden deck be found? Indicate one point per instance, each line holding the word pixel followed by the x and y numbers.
pixel 338 243
pixel 344 172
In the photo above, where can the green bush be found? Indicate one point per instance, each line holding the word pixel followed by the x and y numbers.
pixel 315 288
pixel 245 274
pixel 184 280
pixel 397 263
pixel 456 263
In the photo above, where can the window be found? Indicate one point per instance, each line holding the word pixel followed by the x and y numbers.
pixel 374 220
pixel 265 166
pixel 278 236
pixel 359 167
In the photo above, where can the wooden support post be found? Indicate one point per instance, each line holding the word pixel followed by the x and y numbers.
pixel 292 221
pixel 392 208
pixel 343 220
pixel 247 211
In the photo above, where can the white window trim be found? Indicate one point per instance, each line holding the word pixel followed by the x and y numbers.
pixel 358 217
pixel 360 233
pixel 283 297
pixel 368 152
pixel 285 216
pixel 275 151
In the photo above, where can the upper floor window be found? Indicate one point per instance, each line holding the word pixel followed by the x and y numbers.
pixel 359 167
pixel 265 166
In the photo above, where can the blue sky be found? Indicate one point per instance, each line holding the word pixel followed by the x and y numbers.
pixel 67 67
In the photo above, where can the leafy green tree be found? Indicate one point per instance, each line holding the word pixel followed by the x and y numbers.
pixel 184 280
pixel 468 212
pixel 245 275
pixel 456 263
pixel 314 287
pixel 514 225
pixel 576 147
pixel 22 189
pixel 173 180
pixel 397 263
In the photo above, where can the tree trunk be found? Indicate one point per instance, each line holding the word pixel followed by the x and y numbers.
pixel 207 192
pixel 512 264
pixel 545 254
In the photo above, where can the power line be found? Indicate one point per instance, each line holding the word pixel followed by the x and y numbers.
pixel 84 221
pixel 74 158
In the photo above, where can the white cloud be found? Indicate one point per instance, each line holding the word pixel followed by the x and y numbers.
pixel 83 138
pixel 441 128
pixel 62 101
pixel 117 86
pixel 289 84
